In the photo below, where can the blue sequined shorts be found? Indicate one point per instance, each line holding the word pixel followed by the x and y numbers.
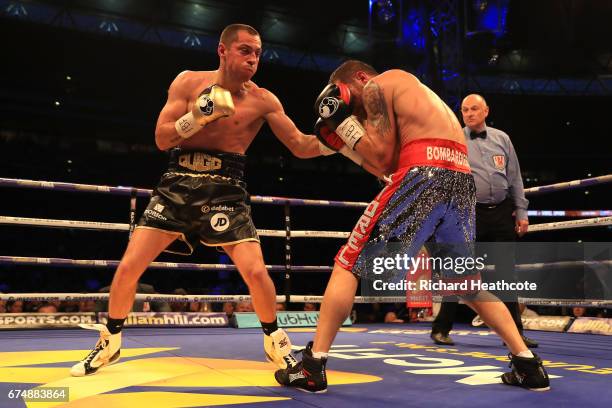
pixel 423 204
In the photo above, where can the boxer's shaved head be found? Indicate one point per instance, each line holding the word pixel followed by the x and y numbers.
pixel 230 33
pixel 345 72
pixel 239 51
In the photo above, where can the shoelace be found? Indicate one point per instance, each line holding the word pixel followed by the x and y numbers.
pixel 293 359
pixel 290 360
pixel 309 345
pixel 99 347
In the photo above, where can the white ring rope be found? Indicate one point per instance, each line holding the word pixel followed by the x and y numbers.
pixel 93 225
pixel 302 234
pixel 561 264
pixel 145 297
pixel 104 263
pixel 587 222
pixel 568 185
pixel 565 302
pixel 141 192
pixel 569 213
pixel 44 222
pixel 120 190
pixel 67 297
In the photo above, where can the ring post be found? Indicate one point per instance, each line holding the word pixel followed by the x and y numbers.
pixel 133 198
pixel 287 252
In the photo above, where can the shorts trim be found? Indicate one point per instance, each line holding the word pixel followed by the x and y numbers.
pixel 211 176
pixel 360 234
pixel 232 242
pixel 179 235
pixel 433 152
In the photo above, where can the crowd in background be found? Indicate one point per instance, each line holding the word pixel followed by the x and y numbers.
pixel 362 313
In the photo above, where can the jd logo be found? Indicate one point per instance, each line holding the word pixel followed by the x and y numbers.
pixel 219 222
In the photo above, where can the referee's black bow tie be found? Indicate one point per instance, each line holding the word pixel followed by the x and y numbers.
pixel 474 135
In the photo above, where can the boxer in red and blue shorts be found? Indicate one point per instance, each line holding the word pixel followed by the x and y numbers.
pixel 431 197
pixel 399 127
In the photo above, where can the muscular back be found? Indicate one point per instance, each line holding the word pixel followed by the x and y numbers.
pixel 232 134
pixel 416 110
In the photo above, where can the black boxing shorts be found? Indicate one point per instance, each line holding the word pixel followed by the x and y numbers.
pixel 201 198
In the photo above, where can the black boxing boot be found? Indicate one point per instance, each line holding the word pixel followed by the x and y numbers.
pixel 527 372
pixel 308 375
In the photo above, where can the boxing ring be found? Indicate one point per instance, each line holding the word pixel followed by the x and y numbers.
pixel 370 366
pixel 375 365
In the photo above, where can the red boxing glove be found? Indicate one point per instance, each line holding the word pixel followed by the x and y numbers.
pixel 328 137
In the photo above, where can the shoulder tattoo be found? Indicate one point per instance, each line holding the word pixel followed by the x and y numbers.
pixel 376 108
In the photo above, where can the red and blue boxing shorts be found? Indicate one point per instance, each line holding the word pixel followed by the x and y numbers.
pixel 430 199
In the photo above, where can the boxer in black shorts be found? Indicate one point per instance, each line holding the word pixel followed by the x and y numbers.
pixel 201 198
pixel 211 118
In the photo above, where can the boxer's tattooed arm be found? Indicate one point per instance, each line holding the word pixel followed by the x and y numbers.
pixel 376 108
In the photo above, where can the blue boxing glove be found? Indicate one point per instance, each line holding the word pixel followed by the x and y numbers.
pixel 334 106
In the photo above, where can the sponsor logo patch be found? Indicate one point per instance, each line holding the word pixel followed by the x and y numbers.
pixel 219 222
pixel 296 376
pixel 225 208
pixel 199 162
pixel 156 212
pixel 207 106
pixel 328 107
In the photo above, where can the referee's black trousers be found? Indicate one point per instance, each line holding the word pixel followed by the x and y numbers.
pixel 494 223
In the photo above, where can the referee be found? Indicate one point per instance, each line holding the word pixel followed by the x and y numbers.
pixel 501 209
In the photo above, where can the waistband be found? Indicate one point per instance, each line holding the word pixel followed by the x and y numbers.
pixel 435 153
pixel 199 162
pixel 491 206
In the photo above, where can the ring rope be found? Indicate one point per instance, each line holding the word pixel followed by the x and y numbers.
pixel 127 191
pixel 560 264
pixel 101 263
pixel 566 302
pixel 94 225
pixel 569 185
pixel 142 192
pixel 583 223
pixel 109 226
pixel 569 213
pixel 438 299
pixel 44 222
pixel 145 297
